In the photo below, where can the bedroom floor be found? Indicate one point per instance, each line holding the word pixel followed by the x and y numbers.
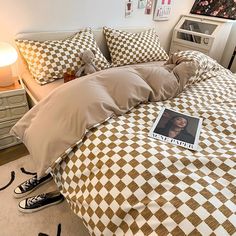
pixel 12 153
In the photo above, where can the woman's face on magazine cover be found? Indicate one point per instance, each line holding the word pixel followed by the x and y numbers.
pixel 180 122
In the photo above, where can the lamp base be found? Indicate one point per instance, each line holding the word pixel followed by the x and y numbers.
pixel 6 78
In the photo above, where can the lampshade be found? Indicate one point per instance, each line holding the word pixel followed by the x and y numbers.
pixel 8 56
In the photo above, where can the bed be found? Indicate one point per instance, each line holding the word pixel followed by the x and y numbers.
pixel 118 179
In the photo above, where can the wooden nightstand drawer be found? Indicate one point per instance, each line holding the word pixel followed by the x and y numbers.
pixel 13 105
pixel 13 112
pixel 7 141
pixel 12 100
pixel 5 127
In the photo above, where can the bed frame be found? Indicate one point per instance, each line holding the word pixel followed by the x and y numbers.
pixel 57 35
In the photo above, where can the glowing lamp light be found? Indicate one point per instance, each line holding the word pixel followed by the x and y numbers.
pixel 8 56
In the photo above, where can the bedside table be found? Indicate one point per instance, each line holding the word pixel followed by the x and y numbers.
pixel 201 33
pixel 13 105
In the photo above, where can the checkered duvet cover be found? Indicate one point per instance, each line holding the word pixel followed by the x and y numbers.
pixel 121 182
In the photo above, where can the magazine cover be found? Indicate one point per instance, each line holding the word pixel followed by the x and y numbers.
pixel 177 128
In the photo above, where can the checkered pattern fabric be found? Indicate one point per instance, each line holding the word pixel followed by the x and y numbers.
pixel 49 60
pixel 129 48
pixel 121 182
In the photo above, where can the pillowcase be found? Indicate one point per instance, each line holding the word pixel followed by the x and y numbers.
pixel 129 48
pixel 50 60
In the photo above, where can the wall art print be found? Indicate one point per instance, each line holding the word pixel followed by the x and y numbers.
pixel 162 10
pixel 216 8
pixel 128 8
pixel 148 9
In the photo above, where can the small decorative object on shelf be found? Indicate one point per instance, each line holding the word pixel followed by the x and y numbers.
pixel 204 34
pixel 13 106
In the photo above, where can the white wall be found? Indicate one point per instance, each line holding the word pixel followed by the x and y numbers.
pixel 17 16
pixel 46 15
pixel 231 44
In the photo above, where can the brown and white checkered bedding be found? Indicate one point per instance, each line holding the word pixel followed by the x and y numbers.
pixel 129 48
pixel 121 182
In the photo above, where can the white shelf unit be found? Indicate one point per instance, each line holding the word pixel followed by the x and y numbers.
pixel 205 34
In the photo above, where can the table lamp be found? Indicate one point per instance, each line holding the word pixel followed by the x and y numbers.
pixel 8 56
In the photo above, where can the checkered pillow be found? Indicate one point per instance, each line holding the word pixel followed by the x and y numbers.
pixel 49 60
pixel 129 48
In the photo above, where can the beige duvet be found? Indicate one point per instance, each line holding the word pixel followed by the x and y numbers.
pixel 61 120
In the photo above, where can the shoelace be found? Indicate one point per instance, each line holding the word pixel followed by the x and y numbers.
pixel 31 201
pixel 33 181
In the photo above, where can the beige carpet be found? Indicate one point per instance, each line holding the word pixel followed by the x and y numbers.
pixel 13 222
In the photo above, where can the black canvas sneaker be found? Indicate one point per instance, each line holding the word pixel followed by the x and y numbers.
pixel 30 185
pixel 40 202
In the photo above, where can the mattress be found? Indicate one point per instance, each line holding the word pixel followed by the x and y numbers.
pixel 37 91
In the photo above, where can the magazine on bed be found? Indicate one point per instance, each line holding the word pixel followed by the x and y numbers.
pixel 177 128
